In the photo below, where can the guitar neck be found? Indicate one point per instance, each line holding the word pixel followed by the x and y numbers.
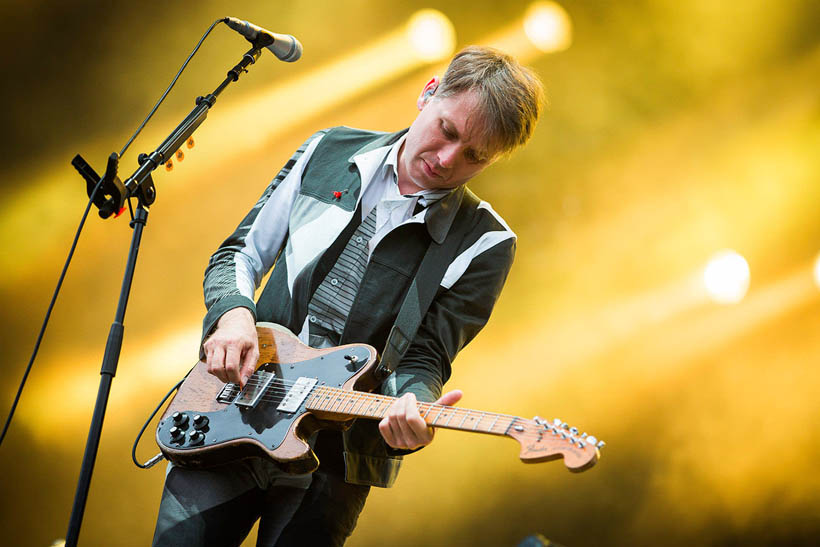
pixel 358 404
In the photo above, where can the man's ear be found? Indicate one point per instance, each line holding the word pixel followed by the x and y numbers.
pixel 427 92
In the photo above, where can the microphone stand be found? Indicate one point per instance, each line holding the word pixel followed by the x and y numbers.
pixel 110 199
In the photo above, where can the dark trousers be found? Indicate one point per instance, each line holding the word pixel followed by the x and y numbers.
pixel 218 506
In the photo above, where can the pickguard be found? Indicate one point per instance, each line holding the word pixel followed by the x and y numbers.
pixel 264 422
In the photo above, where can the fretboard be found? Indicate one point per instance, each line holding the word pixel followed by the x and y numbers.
pixel 358 404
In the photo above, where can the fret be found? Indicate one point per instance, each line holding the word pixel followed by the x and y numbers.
pixel 361 399
pixel 351 401
pixel 441 409
pixel 368 405
pixel 373 408
pixel 337 402
pixel 386 408
pixel 326 400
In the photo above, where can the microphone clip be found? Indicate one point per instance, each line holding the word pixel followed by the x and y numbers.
pixel 111 196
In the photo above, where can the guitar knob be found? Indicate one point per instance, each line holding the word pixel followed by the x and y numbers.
pixel 200 421
pixel 176 434
pixel 196 438
pixel 180 419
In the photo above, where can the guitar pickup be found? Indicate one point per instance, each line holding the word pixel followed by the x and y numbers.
pixel 296 394
pixel 255 388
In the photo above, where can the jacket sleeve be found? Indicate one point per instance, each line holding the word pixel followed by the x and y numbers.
pixel 455 317
pixel 238 265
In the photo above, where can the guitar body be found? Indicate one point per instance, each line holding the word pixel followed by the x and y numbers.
pixel 208 423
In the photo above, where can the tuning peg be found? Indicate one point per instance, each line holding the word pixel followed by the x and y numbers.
pixel 584 435
pixel 557 422
pixel 600 444
pixel 592 440
pixel 573 430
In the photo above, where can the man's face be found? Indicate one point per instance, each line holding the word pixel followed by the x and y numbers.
pixel 442 148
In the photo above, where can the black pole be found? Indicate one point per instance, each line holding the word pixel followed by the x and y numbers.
pixel 139 185
pixel 107 373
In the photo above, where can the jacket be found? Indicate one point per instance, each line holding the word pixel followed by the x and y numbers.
pixel 299 227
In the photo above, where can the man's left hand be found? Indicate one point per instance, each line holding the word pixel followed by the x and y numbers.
pixel 403 427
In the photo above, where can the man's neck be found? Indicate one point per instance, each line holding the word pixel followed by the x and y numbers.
pixel 406 186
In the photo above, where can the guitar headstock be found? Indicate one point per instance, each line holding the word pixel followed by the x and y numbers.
pixel 543 441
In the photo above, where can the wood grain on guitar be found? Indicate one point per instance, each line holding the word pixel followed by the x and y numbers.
pixel 297 390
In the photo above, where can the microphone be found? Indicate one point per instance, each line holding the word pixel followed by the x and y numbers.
pixel 284 46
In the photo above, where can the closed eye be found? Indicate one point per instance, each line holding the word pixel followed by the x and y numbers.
pixel 447 132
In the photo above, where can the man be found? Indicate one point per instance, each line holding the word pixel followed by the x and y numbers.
pixel 345 226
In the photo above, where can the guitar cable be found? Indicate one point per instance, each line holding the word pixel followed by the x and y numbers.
pixel 156 459
pixel 80 229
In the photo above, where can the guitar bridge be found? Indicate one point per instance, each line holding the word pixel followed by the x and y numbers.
pixel 228 393
pixel 254 389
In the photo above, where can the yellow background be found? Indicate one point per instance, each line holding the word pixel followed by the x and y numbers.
pixel 675 129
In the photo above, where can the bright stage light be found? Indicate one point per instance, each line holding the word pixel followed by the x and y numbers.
pixel 548 26
pixel 726 277
pixel 432 35
pixel 817 271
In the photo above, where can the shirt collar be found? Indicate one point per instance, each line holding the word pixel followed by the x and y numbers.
pixel 442 212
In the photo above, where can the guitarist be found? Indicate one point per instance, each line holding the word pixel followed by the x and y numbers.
pixel 344 227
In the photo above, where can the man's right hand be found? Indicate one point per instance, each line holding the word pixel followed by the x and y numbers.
pixel 232 351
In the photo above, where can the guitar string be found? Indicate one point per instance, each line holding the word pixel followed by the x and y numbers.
pixel 356 397
pixel 279 388
pixel 282 386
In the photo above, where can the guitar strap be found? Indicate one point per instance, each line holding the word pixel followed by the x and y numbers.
pixel 424 287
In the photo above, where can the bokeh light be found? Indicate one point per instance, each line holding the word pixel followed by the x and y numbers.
pixel 726 277
pixel 548 26
pixel 817 271
pixel 661 146
pixel 432 35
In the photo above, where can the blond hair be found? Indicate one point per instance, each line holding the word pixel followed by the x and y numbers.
pixel 510 95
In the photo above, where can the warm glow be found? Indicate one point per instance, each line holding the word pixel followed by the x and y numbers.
pixel 548 26
pixel 432 35
pixel 726 277
pixel 817 271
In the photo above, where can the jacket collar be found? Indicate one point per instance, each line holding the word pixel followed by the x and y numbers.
pixel 441 214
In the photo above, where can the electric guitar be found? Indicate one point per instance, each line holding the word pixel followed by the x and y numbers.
pixel 297 390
